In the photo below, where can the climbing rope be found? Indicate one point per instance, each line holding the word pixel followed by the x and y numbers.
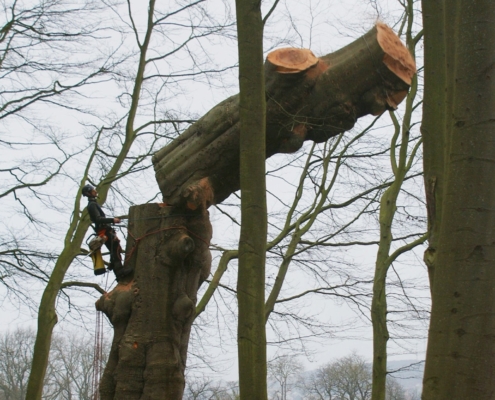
pixel 97 357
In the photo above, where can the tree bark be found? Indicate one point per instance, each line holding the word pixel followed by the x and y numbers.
pixel 152 310
pixel 437 26
pixel 461 347
pixel 47 319
pixel 307 98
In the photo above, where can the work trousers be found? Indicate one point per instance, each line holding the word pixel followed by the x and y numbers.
pixel 112 243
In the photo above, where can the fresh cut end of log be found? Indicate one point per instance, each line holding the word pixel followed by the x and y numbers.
pixel 397 58
pixel 291 61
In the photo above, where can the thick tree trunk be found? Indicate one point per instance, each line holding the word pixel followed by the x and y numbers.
pixel 307 98
pixel 460 358
pixel 153 310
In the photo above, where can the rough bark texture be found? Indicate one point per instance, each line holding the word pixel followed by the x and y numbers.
pixel 251 334
pixel 153 310
pixel 314 100
pixel 460 359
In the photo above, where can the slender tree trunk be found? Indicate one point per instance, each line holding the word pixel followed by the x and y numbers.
pixel 379 307
pixel 47 319
pixel 251 335
pixel 388 206
pixel 461 350
pixel 47 315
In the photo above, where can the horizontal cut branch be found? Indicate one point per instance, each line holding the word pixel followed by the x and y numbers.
pixel 308 98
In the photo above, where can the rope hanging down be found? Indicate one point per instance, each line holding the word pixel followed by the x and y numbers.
pixel 98 357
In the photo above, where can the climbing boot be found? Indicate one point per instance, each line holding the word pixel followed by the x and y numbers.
pixel 98 263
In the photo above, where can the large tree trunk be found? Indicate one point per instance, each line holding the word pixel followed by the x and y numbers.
pixel 308 98
pixel 153 310
pixel 460 358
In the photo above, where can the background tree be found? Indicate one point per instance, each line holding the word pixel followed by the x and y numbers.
pixel 348 378
pixel 285 370
pixel 71 367
pixel 69 372
pixel 201 388
pixel 351 376
pixel 395 391
pixel 15 359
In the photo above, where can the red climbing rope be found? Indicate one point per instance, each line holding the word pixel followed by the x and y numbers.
pixel 98 357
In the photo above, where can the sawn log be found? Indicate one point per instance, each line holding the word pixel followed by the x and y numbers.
pixel 308 98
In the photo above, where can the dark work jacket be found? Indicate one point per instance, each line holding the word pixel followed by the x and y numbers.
pixel 97 215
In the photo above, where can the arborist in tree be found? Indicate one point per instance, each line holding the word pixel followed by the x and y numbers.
pixel 107 235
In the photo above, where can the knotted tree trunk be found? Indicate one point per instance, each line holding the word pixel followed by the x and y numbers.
pixel 308 98
pixel 153 310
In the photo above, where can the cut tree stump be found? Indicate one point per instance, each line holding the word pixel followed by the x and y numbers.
pixel 308 98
